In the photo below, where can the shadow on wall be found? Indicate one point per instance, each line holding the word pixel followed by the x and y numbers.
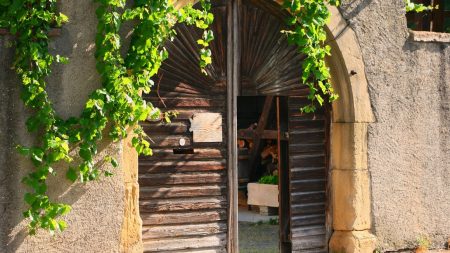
pixel 351 9
pixel 13 167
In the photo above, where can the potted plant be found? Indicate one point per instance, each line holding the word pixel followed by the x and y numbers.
pixel 264 193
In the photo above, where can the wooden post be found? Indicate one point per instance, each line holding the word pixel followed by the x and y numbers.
pixel 283 184
pixel 233 78
pixel 253 157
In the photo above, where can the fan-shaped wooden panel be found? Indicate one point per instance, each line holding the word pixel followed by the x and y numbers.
pixel 269 65
pixel 180 75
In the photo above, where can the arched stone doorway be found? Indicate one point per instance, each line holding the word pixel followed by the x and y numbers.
pixel 350 202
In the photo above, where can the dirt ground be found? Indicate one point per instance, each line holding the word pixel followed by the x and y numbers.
pixel 258 237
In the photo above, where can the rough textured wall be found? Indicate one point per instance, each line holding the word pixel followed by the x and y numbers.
pixel 95 222
pixel 409 144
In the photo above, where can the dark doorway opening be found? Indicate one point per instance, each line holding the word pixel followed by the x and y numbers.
pixel 262 173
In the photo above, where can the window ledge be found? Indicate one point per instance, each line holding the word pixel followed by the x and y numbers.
pixel 422 36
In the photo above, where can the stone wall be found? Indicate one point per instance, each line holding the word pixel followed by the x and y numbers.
pixel 409 143
pixel 96 221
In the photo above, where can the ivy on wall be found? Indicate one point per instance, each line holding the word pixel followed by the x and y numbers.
pixel 118 103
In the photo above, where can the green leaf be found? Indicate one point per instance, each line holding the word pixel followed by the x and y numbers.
pixel 62 225
pixel 114 162
pixel 71 174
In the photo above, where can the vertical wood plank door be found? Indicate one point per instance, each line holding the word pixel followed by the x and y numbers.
pixel 183 186
pixel 308 162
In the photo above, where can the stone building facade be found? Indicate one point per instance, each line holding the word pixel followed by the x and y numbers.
pixel 390 172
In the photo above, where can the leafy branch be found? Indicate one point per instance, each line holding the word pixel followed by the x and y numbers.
pixel 413 7
pixel 307 31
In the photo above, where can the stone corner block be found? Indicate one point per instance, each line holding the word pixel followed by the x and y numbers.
pixel 351 200
pixel 352 242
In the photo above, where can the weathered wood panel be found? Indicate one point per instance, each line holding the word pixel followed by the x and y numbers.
pixel 183 218
pixel 183 186
pixel 308 178
pixel 181 192
pixel 204 229
pixel 176 244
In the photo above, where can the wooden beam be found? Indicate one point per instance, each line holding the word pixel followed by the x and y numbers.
pixel 256 150
pixel 249 134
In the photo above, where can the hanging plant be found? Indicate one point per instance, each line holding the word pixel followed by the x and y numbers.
pixel 118 104
pixel 307 22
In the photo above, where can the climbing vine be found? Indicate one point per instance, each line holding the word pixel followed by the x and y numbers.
pixel 118 104
pixel 307 21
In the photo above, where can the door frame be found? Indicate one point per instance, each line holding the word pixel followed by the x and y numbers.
pixel 233 77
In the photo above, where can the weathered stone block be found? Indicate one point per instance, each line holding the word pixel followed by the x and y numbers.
pixel 352 242
pixel 349 146
pixel 351 200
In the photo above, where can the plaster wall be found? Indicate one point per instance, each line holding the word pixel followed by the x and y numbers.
pixel 409 142
pixel 95 223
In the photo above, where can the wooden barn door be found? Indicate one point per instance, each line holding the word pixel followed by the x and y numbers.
pixel 183 186
pixel 308 170
pixel 187 201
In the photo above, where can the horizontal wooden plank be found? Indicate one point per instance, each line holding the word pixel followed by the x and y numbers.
pixel 307 124
pixel 174 179
pixel 155 232
pixel 200 216
pixel 183 204
pixel 155 167
pixel 199 153
pixel 200 242
pixel 304 137
pixel 300 160
pixel 308 197
pixel 172 141
pixel 177 102
pixel 221 249
pixel 308 185
pixel 308 173
pixel 308 231
pixel 303 244
pixel 177 192
pixel 304 118
pixel 154 128
pixel 309 208
pixel 303 148
pixel 307 220
pixel 249 134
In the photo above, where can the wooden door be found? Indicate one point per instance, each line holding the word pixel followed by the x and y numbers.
pixel 187 197
pixel 183 186
pixel 308 173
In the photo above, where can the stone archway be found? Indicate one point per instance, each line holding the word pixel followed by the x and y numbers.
pixel 350 187
pixel 352 113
